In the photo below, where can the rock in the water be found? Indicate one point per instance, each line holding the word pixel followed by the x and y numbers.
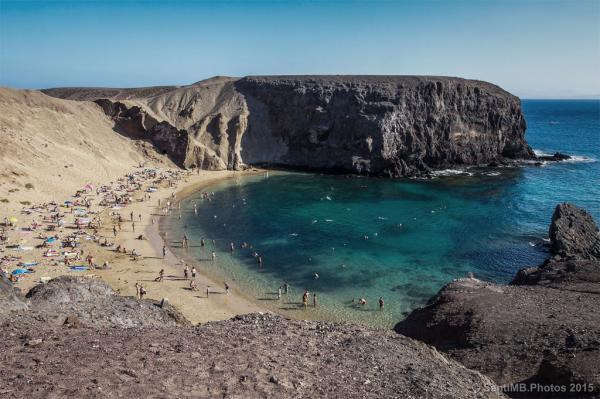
pixel 542 329
pixel 377 125
pixel 556 157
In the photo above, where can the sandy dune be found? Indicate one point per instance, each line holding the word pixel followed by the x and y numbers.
pixel 51 147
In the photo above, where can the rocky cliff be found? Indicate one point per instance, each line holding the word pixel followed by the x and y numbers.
pixel 543 329
pixel 377 125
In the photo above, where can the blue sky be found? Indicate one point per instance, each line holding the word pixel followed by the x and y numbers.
pixel 535 49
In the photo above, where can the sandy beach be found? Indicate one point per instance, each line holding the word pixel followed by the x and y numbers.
pixel 124 271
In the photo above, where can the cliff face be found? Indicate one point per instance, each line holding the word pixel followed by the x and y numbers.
pixel 379 125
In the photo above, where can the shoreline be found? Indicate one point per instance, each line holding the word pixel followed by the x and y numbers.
pixel 124 271
pixel 240 303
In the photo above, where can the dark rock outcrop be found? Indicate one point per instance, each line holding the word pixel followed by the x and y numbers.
pixel 377 125
pixel 543 329
pixel 10 297
pixel 93 303
pixel 89 354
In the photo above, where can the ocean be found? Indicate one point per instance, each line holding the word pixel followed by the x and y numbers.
pixel 349 238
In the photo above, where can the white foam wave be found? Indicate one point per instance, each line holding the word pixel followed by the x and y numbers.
pixel 580 158
pixel 541 153
pixel 451 172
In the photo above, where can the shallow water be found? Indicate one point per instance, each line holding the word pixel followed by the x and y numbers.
pixel 421 234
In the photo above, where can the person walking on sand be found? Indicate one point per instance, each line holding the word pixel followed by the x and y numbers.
pixel 161 275
pixel 315 299
pixel 131 216
pixel 286 287
pixel 137 291
pixel 164 251
pixel 133 226
pixel 226 288
pixel 186 272
pixel 115 231
pixel 142 291
pixel 207 290
pixel 193 272
pixel 381 303
pixel 140 217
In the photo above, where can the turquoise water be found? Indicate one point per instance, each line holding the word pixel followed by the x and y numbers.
pixel 421 234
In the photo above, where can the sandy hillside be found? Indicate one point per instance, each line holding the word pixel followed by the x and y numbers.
pixel 50 147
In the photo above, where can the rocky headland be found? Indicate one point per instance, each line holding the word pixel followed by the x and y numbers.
pixel 74 337
pixel 375 125
pixel 542 330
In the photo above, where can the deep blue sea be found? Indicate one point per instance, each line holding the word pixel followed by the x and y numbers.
pixel 397 239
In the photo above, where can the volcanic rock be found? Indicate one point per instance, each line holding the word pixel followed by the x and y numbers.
pixel 542 330
pixel 376 125
pixel 257 355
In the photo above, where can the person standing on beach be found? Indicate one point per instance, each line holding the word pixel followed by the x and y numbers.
pixel 137 291
pixel 140 217
pixel 207 290
pixel 161 275
pixel 305 299
pixel 164 251
pixel 186 271
pixel 381 303
pixel 315 299
pixel 193 272
pixel 214 256
pixel 142 291
pixel 115 231
pixel 286 287
pixel 131 216
pixel 202 242
pixel 279 293
pixel 260 262
pixel 226 288
pixel 133 226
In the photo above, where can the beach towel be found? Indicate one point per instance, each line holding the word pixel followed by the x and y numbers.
pixel 78 268
pixel 21 248
pixel 28 264
pixel 21 271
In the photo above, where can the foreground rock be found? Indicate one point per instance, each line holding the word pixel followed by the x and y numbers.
pixel 378 125
pixel 93 302
pixel 259 355
pixel 542 329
